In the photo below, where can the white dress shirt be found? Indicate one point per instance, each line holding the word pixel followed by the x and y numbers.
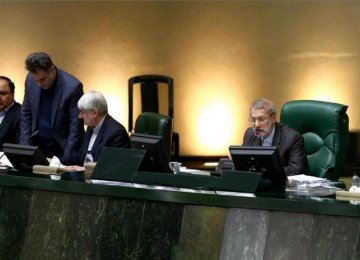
pixel 95 132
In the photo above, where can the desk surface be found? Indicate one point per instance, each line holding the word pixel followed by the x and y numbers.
pixel 263 201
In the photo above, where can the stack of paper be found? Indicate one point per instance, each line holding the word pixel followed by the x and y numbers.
pixel 306 178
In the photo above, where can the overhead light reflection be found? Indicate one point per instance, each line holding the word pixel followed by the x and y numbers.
pixel 215 127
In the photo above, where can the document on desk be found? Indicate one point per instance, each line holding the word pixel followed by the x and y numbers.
pixel 4 161
pixel 310 186
pixel 306 178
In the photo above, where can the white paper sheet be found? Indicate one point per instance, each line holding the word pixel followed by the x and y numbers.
pixel 4 161
pixel 306 178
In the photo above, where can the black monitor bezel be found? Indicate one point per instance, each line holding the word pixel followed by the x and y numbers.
pixel 267 157
pixel 24 157
pixel 156 158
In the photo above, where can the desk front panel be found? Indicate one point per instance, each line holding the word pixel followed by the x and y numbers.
pixel 65 220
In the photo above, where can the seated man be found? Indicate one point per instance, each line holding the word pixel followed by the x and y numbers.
pixel 103 130
pixel 266 131
pixel 9 113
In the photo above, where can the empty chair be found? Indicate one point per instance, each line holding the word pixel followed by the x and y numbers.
pixel 325 128
pixel 150 100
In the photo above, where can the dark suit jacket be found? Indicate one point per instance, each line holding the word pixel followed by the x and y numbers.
pixel 10 126
pixel 68 129
pixel 291 147
pixel 111 134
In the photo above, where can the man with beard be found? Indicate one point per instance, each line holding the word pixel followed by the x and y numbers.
pixel 266 131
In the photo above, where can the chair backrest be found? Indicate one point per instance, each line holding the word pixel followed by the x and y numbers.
pixel 149 94
pixel 155 124
pixel 325 128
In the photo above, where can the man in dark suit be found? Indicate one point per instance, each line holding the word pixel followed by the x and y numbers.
pixel 266 131
pixel 103 130
pixel 9 113
pixel 49 115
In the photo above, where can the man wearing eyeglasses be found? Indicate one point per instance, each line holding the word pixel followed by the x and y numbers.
pixel 266 131
pixel 49 115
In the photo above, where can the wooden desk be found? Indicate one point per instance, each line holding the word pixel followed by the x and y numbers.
pixel 45 219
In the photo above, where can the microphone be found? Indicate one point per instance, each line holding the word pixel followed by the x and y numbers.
pixel 32 136
pixel 253 138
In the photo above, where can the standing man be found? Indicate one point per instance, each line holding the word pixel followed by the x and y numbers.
pixel 49 115
pixel 9 113
pixel 265 131
pixel 103 130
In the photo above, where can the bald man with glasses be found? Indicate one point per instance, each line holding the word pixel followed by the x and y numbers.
pixel 266 131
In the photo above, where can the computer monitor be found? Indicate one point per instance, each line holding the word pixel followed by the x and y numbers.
pixel 24 157
pixel 156 158
pixel 263 159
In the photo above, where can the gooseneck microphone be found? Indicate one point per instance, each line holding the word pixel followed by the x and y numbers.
pixel 32 135
pixel 254 137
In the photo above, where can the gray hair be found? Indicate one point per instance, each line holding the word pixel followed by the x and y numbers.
pixel 263 103
pixel 92 100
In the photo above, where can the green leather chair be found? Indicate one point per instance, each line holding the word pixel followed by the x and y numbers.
pixel 155 124
pixel 325 128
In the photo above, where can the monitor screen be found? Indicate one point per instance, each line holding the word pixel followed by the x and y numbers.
pixel 156 158
pixel 263 159
pixel 24 157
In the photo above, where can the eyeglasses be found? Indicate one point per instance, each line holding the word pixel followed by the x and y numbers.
pixel 260 119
